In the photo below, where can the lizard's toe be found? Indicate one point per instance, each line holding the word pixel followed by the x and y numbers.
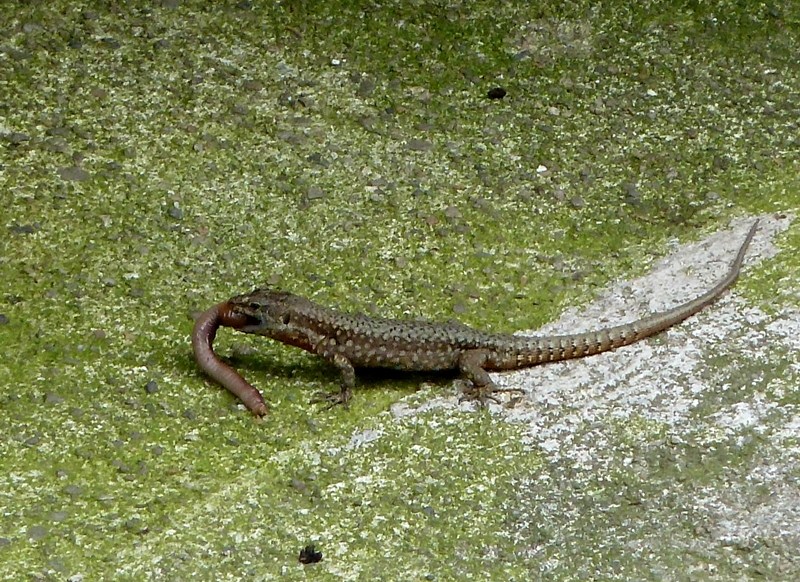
pixel 331 399
pixel 484 394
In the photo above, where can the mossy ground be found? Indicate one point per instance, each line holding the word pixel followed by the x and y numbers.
pixel 157 158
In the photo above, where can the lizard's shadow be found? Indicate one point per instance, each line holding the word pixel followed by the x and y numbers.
pixel 314 371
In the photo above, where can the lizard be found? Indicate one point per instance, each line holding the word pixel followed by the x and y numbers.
pixel 354 340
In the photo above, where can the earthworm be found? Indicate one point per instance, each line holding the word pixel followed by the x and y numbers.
pixel 205 330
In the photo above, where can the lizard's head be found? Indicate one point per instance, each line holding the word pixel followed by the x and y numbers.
pixel 265 312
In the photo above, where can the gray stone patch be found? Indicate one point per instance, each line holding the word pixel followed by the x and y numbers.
pixel 74 174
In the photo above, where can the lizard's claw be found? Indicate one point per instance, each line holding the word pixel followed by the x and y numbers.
pixel 483 394
pixel 331 399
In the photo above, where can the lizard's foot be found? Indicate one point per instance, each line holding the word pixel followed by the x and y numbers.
pixel 331 399
pixel 483 394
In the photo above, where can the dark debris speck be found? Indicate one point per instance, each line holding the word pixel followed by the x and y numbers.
pixel 310 555
pixel 496 93
pixel 24 228
pixel 111 43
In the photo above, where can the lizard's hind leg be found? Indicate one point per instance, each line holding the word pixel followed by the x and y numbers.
pixel 480 385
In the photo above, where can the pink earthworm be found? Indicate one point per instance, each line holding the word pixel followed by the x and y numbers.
pixel 203 334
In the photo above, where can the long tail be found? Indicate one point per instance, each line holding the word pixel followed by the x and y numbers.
pixel 532 351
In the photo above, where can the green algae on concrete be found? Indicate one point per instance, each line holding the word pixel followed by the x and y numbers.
pixel 157 158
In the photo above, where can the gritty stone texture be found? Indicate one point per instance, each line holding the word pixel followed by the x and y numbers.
pixel 664 123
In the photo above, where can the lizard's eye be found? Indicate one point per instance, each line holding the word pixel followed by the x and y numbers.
pixel 285 319
pixel 254 306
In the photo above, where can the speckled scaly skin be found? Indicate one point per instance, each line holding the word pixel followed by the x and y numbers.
pixel 350 341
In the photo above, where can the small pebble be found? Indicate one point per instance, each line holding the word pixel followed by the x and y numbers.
pixel 58 516
pixel 52 398
pixel 36 532
pixel 315 193
pixel 74 174
pixel 73 490
pixel 17 138
pixel 366 87
pixel 419 145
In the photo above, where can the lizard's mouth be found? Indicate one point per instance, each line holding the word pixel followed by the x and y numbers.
pixel 230 316
pixel 247 324
pixel 252 327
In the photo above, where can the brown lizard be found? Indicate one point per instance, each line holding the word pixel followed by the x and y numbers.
pixel 354 340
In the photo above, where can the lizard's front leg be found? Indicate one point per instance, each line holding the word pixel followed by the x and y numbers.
pixel 345 393
pixel 482 387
